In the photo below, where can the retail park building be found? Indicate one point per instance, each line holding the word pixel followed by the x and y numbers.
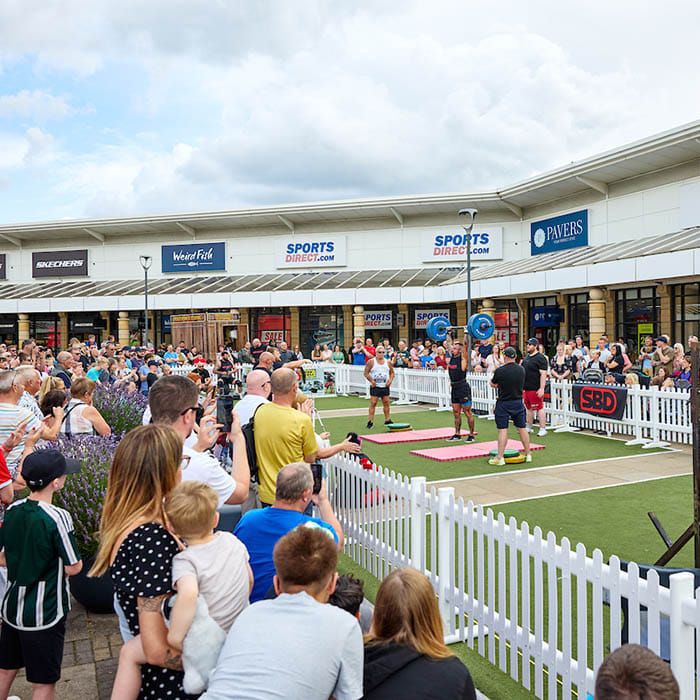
pixel 611 243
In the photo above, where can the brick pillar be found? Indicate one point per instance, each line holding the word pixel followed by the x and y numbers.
pixel 108 327
pixel 123 328
pixel 488 306
pixel 563 303
pixel 244 329
pixel 403 330
pixel 295 331
pixel 22 327
pixel 347 326
pixel 597 314
pixel 461 319
pixel 63 329
pixel 358 322
pixel 610 327
pixel 665 321
pixel 523 321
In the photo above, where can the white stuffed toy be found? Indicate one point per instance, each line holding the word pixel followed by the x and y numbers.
pixel 200 648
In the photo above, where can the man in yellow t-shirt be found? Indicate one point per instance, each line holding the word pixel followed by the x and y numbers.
pixel 283 435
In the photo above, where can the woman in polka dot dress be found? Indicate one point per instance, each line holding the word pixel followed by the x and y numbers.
pixel 138 551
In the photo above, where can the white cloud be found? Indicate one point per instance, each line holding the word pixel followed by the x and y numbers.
pixel 34 104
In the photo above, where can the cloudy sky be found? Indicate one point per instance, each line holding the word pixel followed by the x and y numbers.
pixel 151 106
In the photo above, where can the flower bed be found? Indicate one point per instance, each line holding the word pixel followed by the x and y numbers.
pixel 122 411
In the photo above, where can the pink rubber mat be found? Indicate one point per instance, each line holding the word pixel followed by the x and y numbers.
pixel 410 436
pixel 469 451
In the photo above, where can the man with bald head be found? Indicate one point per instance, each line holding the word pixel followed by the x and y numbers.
pixel 64 365
pixel 266 360
pixel 258 391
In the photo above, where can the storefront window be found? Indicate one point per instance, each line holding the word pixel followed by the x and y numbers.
pixel 578 317
pixel 420 315
pixel 685 312
pixel 544 319
pixel 272 325
pixel 8 330
pixel 45 330
pixel 322 325
pixel 637 315
pixel 506 320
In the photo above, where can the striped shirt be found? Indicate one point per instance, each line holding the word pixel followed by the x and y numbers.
pixel 39 542
pixel 11 416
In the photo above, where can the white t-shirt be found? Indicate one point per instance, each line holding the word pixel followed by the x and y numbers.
pixel 204 467
pixel 291 648
pixel 246 407
pixel 221 570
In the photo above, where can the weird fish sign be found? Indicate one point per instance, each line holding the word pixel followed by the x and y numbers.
pixel 194 257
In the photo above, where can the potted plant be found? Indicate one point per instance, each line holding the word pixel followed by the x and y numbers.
pixel 82 496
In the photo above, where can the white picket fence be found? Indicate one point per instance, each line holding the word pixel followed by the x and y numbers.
pixel 652 418
pixel 544 612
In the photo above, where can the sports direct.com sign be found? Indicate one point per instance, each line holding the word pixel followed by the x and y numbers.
pixel 451 244
pixel 312 251
pixel 378 320
pixel 422 317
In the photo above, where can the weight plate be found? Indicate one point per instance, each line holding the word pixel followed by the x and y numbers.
pixel 436 328
pixel 481 326
pixel 507 453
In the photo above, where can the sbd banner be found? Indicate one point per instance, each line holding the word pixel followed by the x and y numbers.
pixel 600 400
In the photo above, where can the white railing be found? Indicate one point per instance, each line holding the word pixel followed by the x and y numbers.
pixel 542 611
pixel 238 373
pixel 652 417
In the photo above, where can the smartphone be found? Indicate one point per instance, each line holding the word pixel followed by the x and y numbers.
pixel 317 471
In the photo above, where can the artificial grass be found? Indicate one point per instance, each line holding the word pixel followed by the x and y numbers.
pixel 487 678
pixel 561 448
pixel 334 403
pixel 614 519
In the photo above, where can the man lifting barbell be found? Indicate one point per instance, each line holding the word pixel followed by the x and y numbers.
pixel 461 391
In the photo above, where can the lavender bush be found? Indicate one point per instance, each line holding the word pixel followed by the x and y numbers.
pixel 84 492
pixel 122 411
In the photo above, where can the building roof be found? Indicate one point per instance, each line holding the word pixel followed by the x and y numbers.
pixel 598 173
pixel 685 240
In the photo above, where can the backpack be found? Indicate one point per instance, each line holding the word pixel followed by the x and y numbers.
pixel 248 431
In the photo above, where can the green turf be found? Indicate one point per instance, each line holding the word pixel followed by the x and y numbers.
pixel 487 678
pixel 334 403
pixel 561 448
pixel 615 520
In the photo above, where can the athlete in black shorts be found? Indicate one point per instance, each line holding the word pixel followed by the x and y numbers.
pixel 461 398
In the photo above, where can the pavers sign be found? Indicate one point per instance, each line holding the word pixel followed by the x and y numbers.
pixel 194 257
pixel 559 233
pixel 60 263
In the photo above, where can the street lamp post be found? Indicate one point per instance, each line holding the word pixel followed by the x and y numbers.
pixel 146 261
pixel 471 213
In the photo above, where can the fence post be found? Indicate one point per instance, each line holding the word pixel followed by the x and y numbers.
pixel 444 525
pixel 567 408
pixel 443 390
pixel 682 635
pixel 418 523
pixel 634 393
pixel 654 408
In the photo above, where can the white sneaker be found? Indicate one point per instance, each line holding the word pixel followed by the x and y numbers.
pixel 542 432
pixel 528 428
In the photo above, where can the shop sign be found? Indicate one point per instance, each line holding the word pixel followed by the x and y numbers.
pixel 451 244
pixel 546 316
pixel 275 337
pixel 226 317
pixel 188 318
pixel 422 316
pixel 60 263
pixel 643 330
pixel 3 266
pixel 559 233
pixel 166 324
pixel 603 401
pixel 311 251
pixel 7 327
pixel 378 320
pixel 193 257
pixel 83 325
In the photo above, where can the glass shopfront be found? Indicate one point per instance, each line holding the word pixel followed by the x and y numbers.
pixel 381 322
pixel 506 320
pixel 685 312
pixel 637 314
pixel 45 330
pixel 271 325
pixel 82 325
pixel 579 317
pixel 420 315
pixel 544 319
pixel 322 325
pixel 8 330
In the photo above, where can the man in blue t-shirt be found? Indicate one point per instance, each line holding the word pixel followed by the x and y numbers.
pixel 259 530
pixel 359 353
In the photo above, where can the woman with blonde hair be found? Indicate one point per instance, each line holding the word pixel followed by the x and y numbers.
pixel 81 417
pixel 137 549
pixel 50 384
pixel 405 652
pixel 678 356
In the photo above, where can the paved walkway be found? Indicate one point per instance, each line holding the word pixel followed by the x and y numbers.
pixel 582 476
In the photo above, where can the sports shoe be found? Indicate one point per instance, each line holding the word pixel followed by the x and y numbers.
pixel 528 458
pixel 469 438
pixel 541 432
pixel 388 422
pixel 369 423
pixel 528 428
pixel 495 462
pixel 454 438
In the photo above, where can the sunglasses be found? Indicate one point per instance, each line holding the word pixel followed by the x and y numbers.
pixel 185 462
pixel 188 409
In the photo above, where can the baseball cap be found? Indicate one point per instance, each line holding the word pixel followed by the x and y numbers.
pixel 510 352
pixel 533 341
pixel 153 363
pixel 43 466
pixel 661 338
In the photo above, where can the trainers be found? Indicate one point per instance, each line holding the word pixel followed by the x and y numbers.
pixel 528 428
pixel 454 438
pixel 469 438
pixel 541 432
pixel 528 458
pixel 494 461
pixel 369 423
pixel 388 422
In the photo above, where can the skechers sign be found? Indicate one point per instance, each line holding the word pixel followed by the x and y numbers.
pixel 194 257
pixel 311 251
pixel 60 263
pixel 559 233
pixel 451 244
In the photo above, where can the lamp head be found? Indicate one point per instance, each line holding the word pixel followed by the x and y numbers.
pixel 146 261
pixel 471 213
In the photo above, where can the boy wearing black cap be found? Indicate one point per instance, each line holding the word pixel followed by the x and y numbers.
pixel 40 550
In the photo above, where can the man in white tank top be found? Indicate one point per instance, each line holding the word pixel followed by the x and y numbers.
pixel 380 374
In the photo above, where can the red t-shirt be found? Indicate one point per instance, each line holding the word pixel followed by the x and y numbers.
pixel 441 361
pixel 199 361
pixel 5 477
pixel 371 350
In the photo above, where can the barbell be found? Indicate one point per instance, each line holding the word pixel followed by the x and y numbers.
pixel 480 327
